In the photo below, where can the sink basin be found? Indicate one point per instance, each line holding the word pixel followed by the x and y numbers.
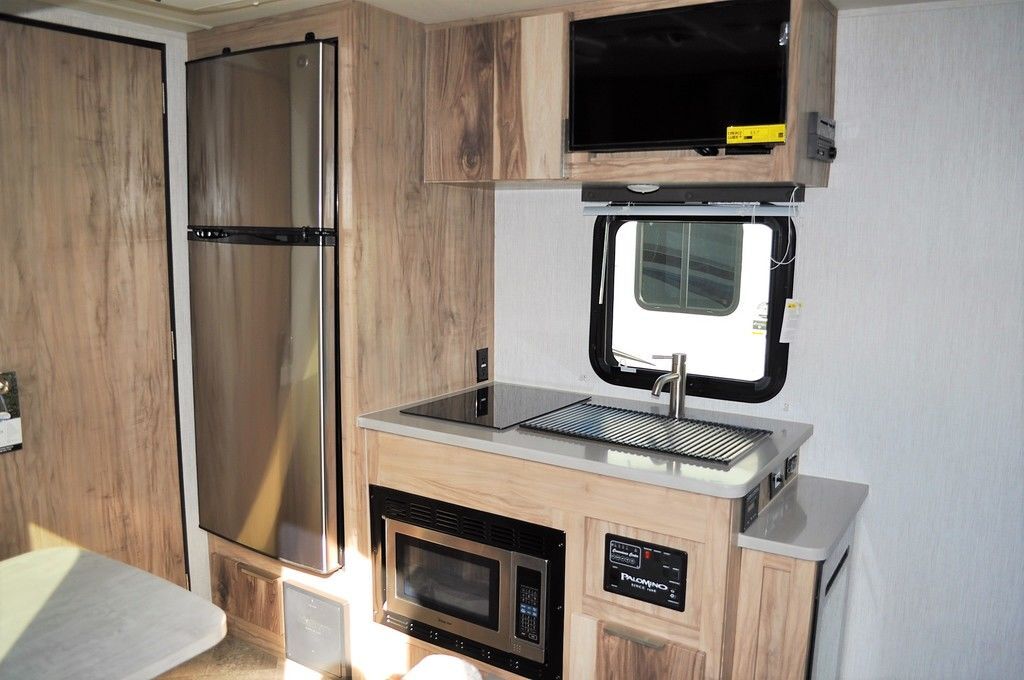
pixel 698 439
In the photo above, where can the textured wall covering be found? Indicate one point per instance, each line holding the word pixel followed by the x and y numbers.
pixel 910 362
pixel 198 557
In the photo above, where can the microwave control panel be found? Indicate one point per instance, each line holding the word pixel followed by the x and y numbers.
pixel 528 605
pixel 645 571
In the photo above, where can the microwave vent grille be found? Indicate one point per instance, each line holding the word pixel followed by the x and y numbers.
pixel 446 521
pixel 503 537
pixel 421 514
pixel 474 529
pixel 531 542
pixel 395 509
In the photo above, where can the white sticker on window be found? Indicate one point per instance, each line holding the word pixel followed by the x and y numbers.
pixel 791 320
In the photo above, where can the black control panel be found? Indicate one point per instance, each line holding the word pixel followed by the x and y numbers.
pixel 528 605
pixel 821 138
pixel 645 571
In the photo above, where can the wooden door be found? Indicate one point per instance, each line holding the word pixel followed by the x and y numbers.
pixel 84 299
pixel 624 653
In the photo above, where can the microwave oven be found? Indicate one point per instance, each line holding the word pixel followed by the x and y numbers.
pixel 482 585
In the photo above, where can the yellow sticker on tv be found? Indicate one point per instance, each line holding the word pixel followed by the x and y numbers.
pixel 756 134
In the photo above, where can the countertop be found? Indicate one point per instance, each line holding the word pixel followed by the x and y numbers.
pixel 809 516
pixel 70 613
pixel 637 465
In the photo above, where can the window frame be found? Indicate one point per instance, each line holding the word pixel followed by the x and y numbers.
pixel 780 288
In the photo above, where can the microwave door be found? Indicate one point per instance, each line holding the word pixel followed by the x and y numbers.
pixel 264 383
pixel 447 582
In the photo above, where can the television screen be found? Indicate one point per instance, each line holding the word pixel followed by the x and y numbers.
pixel 676 78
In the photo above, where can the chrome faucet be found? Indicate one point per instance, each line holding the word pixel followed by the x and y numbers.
pixel 678 376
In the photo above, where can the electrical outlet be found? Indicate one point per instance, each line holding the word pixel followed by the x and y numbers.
pixel 791 466
pixel 775 482
pixel 483 367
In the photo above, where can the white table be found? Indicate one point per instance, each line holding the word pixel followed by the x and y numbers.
pixel 70 613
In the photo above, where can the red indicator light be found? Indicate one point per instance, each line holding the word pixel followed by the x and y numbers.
pixel 647 554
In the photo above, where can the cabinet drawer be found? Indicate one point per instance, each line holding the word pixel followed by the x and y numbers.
pixel 252 599
pixel 624 653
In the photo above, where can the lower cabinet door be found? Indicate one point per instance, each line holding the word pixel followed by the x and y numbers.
pixel 624 654
pixel 252 599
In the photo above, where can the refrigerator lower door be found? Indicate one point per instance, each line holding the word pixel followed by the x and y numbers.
pixel 263 322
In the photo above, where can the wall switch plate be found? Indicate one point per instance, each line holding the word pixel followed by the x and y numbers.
pixel 483 367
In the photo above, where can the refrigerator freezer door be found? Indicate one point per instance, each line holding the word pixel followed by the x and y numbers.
pixel 264 378
pixel 261 138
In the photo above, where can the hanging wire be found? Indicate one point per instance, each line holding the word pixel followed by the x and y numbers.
pixel 789 236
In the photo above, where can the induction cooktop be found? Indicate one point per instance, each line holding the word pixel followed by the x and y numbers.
pixel 497 405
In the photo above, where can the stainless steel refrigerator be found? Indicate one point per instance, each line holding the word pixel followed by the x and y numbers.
pixel 263 277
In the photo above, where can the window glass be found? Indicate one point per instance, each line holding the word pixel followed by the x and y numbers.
pixel 706 287
pixel 689 267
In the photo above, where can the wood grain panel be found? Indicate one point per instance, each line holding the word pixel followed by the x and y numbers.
pixel 460 103
pixel 509 134
pixel 252 598
pixel 478 479
pixel 774 616
pixel 529 91
pixel 85 309
pixel 812 62
pixel 682 166
pixel 324 22
pixel 578 10
pixel 622 653
pixel 544 76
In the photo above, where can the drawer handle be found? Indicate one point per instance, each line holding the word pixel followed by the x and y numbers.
pixel 635 636
pixel 256 573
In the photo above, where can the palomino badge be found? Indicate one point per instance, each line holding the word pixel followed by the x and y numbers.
pixel 644 582
pixel 645 571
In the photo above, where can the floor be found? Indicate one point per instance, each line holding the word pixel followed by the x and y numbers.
pixel 234 659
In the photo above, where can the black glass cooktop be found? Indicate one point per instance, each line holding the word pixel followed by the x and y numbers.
pixel 498 406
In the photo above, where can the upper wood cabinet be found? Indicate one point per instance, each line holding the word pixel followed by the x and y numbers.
pixel 495 100
pixel 497 97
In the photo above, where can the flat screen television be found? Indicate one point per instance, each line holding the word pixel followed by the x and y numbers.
pixel 676 78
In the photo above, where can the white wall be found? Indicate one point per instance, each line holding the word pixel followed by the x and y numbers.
pixel 910 362
pixel 176 54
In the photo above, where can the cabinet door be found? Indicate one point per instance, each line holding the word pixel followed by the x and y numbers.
pixel 623 653
pixel 530 77
pixel 495 100
pixel 252 599
pixel 459 104
pixel 774 616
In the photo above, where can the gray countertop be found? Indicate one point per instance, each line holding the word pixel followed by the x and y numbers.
pixel 806 520
pixel 70 613
pixel 637 465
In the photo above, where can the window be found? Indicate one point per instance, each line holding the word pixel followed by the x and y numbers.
pixel 688 267
pixel 711 287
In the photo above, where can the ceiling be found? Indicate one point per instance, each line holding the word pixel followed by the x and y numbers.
pixel 193 15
